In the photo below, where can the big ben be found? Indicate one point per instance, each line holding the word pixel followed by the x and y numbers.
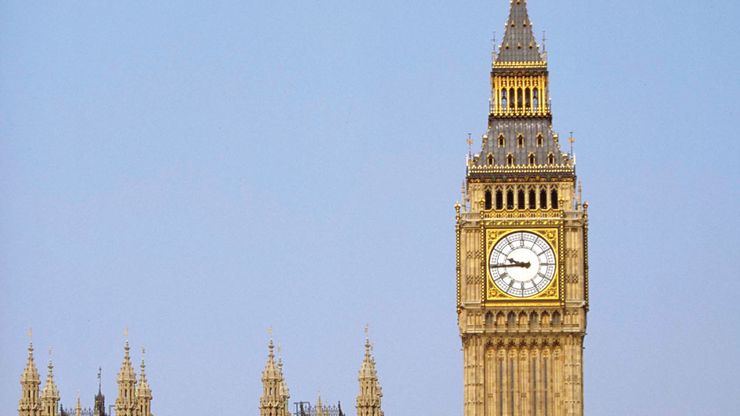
pixel 521 241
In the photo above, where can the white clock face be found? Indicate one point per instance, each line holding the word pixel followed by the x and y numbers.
pixel 522 264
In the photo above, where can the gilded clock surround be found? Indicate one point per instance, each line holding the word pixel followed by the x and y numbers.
pixel 522 356
pixel 494 296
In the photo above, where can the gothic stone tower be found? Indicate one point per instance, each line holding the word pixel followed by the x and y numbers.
pixel 522 261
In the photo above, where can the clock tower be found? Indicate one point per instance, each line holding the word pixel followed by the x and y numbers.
pixel 522 238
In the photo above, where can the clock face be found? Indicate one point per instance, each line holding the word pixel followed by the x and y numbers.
pixel 522 264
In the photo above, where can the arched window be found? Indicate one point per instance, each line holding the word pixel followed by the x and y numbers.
pixel 510 160
pixel 527 98
pixel 536 99
pixel 501 140
pixel 532 199
pixel 520 200
pixel 540 140
pixel 509 199
pixel 551 159
pixel 512 99
pixel 520 141
pixel 554 199
pixel 503 99
pixel 489 319
pixel 532 159
pixel 499 200
pixel 543 199
pixel 490 159
pixel 519 99
pixel 488 199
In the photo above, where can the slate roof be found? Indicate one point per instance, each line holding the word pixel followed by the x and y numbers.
pixel 519 43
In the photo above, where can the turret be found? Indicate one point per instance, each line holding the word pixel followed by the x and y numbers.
pixel 126 401
pixel 99 408
pixel 50 394
pixel 143 392
pixel 368 400
pixel 274 399
pixel 29 404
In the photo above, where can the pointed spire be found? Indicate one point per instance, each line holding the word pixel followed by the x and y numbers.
pixel 274 399
pixel 99 407
pixel 29 404
pixel 143 391
pixel 126 400
pixel 50 393
pixel 78 407
pixel 369 398
pixel 519 43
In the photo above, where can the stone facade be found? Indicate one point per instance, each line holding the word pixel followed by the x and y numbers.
pixel 521 238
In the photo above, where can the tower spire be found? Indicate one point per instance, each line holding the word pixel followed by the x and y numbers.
pixel 50 394
pixel 519 43
pixel 99 409
pixel 29 404
pixel 126 400
pixel 143 391
pixel 369 398
pixel 274 399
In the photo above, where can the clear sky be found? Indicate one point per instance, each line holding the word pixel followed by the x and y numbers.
pixel 199 171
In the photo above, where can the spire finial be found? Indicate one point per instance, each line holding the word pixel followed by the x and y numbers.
pixel 143 353
pixel 544 40
pixel 100 378
pixel 368 345
pixel 51 365
pixel 470 144
pixel 571 140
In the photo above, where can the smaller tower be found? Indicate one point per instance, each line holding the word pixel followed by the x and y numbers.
pixel 50 394
pixel 143 392
pixel 284 391
pixel 78 407
pixel 29 404
pixel 320 409
pixel 99 409
pixel 368 401
pixel 274 400
pixel 126 401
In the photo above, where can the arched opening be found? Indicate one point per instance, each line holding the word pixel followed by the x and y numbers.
pixel 551 159
pixel 490 159
pixel 488 200
pixel 527 99
pixel 509 199
pixel 519 99
pixel 489 319
pixel 532 159
pixel 554 198
pixel 532 199
pixel 520 141
pixel 511 319
pixel 540 140
pixel 503 100
pixel 543 199
pixel 536 99
pixel 520 199
pixel 501 140
pixel 499 200
pixel 512 99
pixel 556 318
pixel 510 160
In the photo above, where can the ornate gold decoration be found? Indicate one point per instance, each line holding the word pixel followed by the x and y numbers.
pixel 493 296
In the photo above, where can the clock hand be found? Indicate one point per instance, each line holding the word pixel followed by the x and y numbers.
pixel 517 264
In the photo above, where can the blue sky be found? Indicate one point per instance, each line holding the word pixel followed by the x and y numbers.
pixel 199 171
